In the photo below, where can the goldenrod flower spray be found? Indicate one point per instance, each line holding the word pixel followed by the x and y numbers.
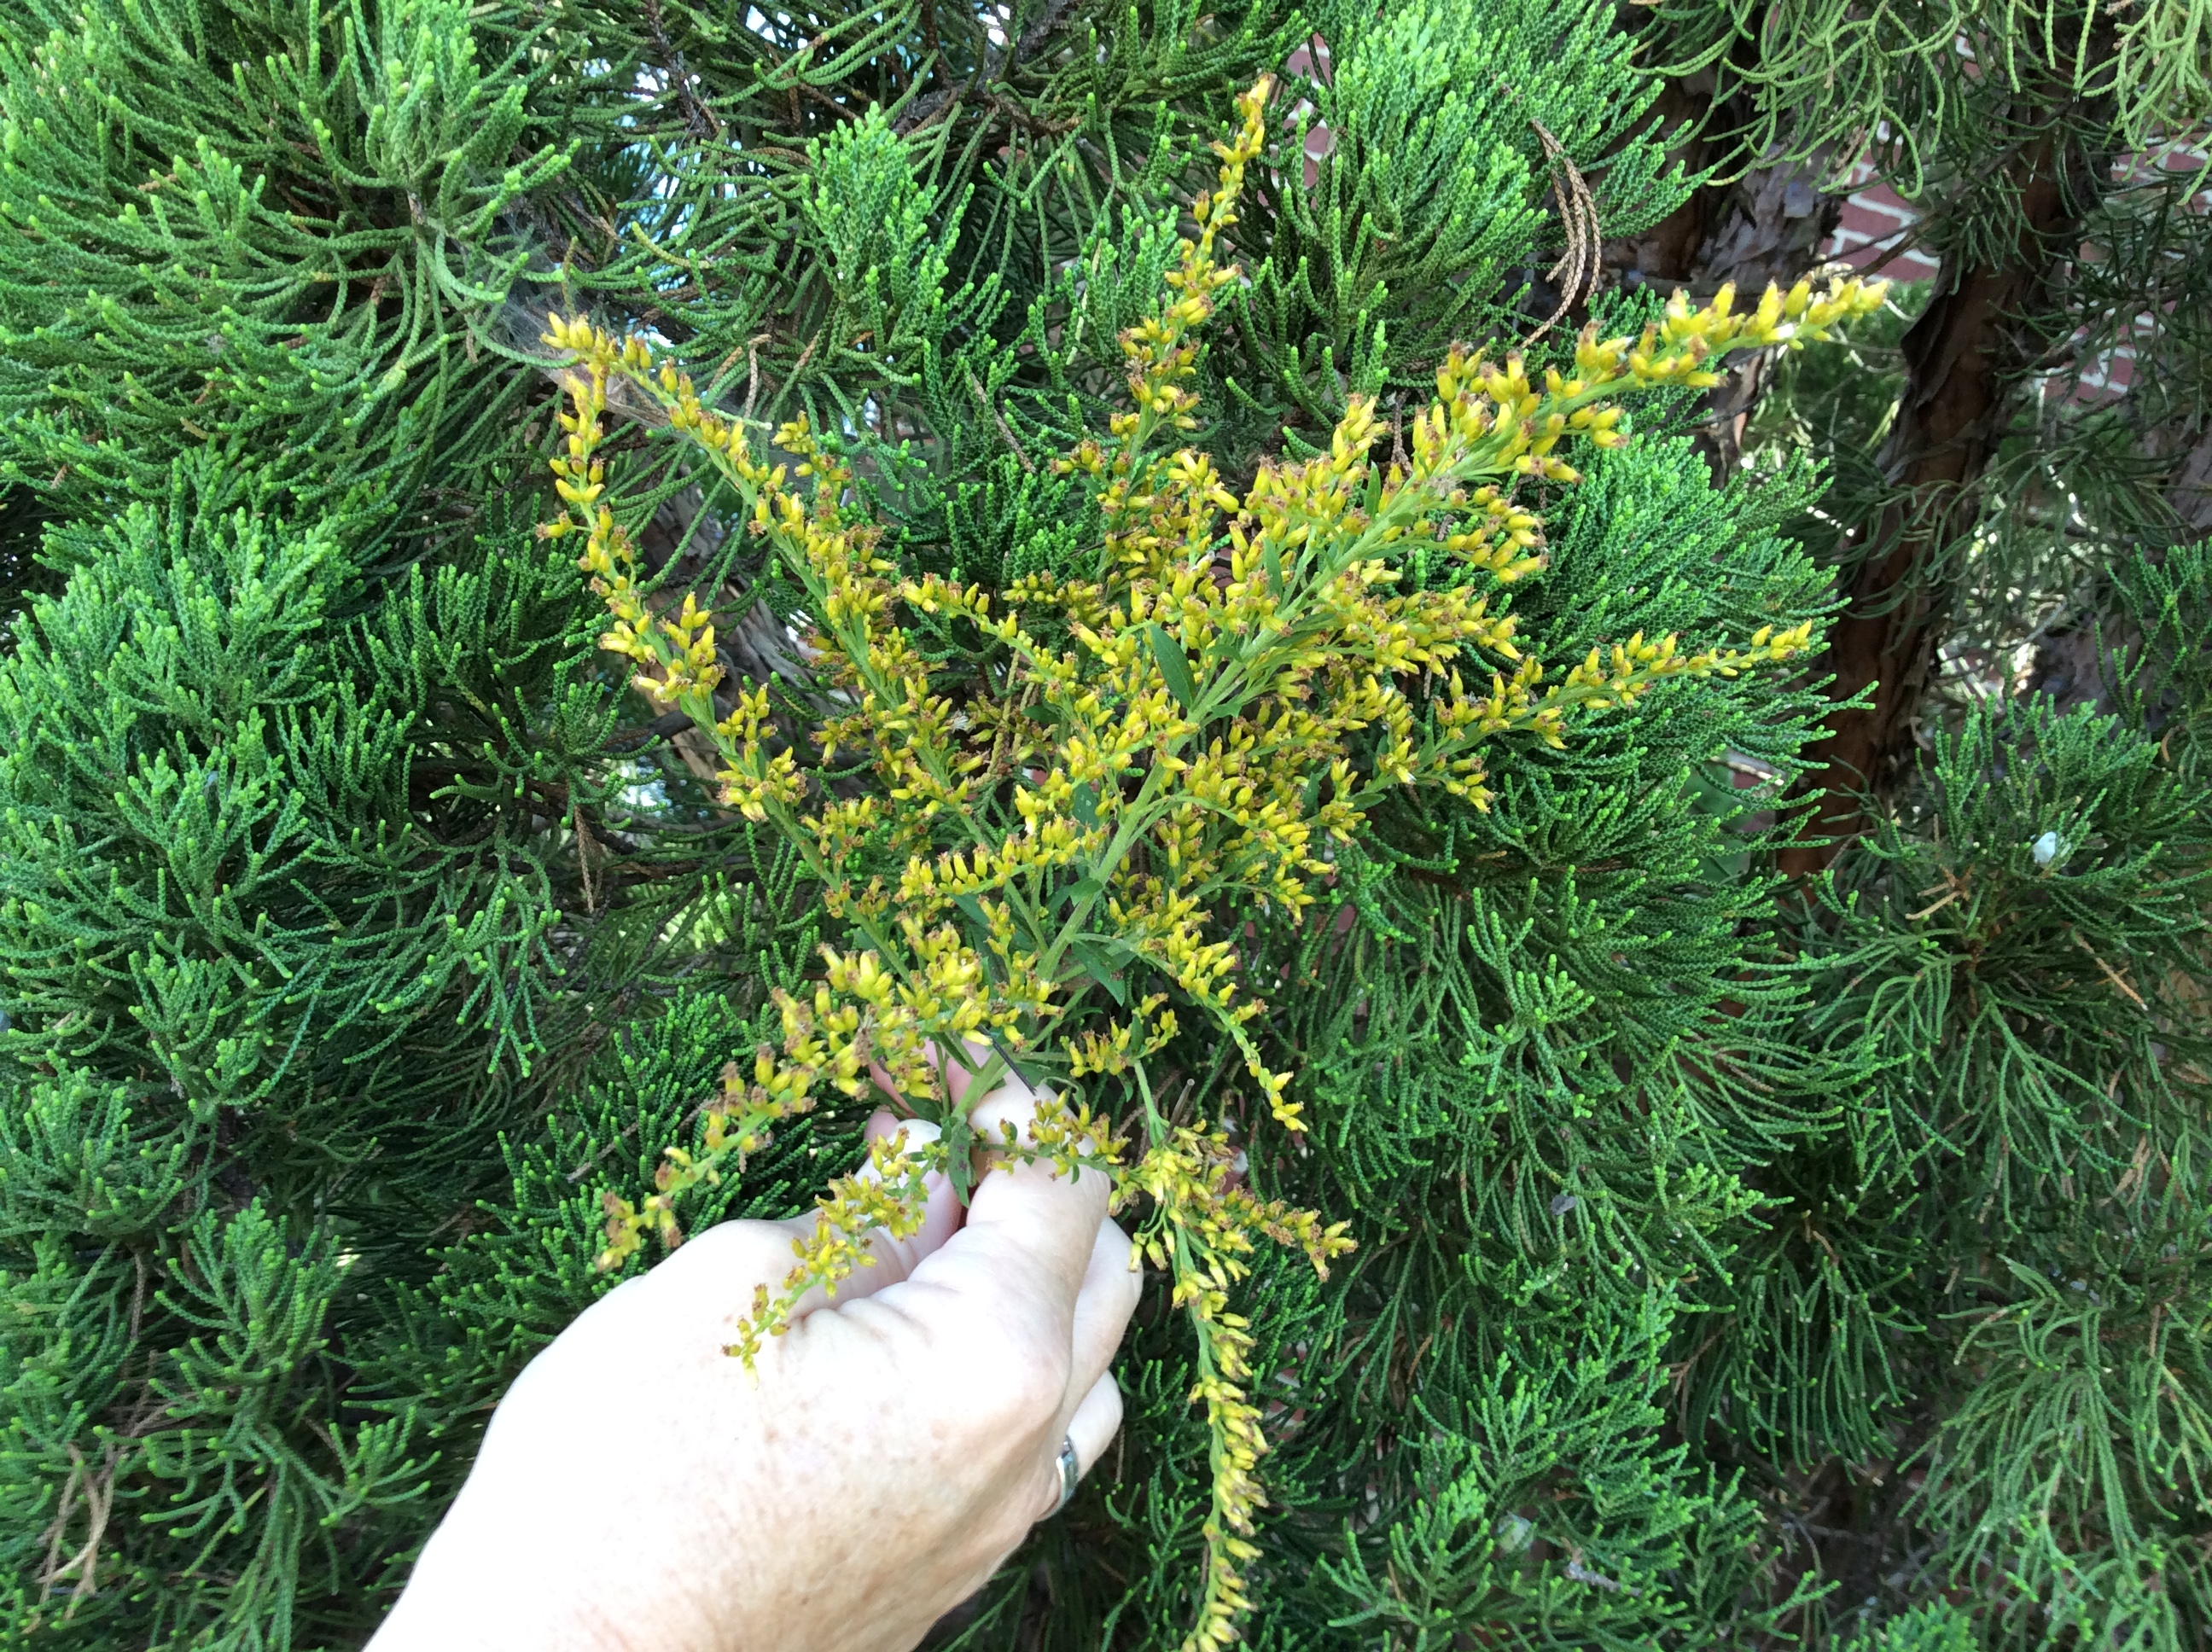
pixel 1042 876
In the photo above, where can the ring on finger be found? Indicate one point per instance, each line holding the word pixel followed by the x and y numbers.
pixel 1070 1468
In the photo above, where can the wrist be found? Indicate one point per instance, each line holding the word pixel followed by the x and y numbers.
pixel 464 1608
pixel 427 1621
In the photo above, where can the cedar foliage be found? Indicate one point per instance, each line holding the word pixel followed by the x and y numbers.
pixel 1965 1356
pixel 1717 1242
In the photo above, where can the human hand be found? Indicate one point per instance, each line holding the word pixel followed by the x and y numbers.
pixel 636 1488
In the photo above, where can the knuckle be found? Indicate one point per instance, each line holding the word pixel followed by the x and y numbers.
pixel 979 1358
pixel 745 1250
pixel 1020 1375
pixel 1037 1387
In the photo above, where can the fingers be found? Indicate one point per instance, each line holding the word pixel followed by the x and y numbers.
pixel 959 1080
pixel 1012 1103
pixel 1030 1229
pixel 1094 1424
pixel 891 1260
pixel 958 1075
pixel 1102 1306
pixel 1090 1429
pixel 718 1269
pixel 941 1215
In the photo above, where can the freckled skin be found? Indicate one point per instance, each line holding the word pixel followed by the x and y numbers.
pixel 637 1490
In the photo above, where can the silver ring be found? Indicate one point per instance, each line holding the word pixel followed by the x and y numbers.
pixel 1071 1471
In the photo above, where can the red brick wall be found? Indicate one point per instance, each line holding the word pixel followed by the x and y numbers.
pixel 1875 235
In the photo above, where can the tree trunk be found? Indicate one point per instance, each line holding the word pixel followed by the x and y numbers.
pixel 1961 358
pixel 1767 225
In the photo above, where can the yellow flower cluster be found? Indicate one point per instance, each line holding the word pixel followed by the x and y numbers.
pixel 829 1038
pixel 1230 692
pixel 1207 1224
pixel 855 1208
pixel 1162 357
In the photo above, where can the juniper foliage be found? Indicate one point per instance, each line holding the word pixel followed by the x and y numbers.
pixel 359 928
pixel 1959 1343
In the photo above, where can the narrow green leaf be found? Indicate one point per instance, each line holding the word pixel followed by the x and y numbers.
pixel 1174 667
pixel 1094 958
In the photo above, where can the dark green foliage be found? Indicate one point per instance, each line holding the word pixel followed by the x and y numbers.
pixel 1446 126
pixel 2003 1036
pixel 1999 1230
pixel 282 952
pixel 279 939
pixel 1965 1351
pixel 1541 1511
pixel 202 756
pixel 1938 1627
pixel 1926 87
pixel 264 229
pixel 359 930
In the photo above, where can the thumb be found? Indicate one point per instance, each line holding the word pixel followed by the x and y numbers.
pixel 714 1273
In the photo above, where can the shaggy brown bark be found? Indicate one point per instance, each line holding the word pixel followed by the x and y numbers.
pixel 1960 358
